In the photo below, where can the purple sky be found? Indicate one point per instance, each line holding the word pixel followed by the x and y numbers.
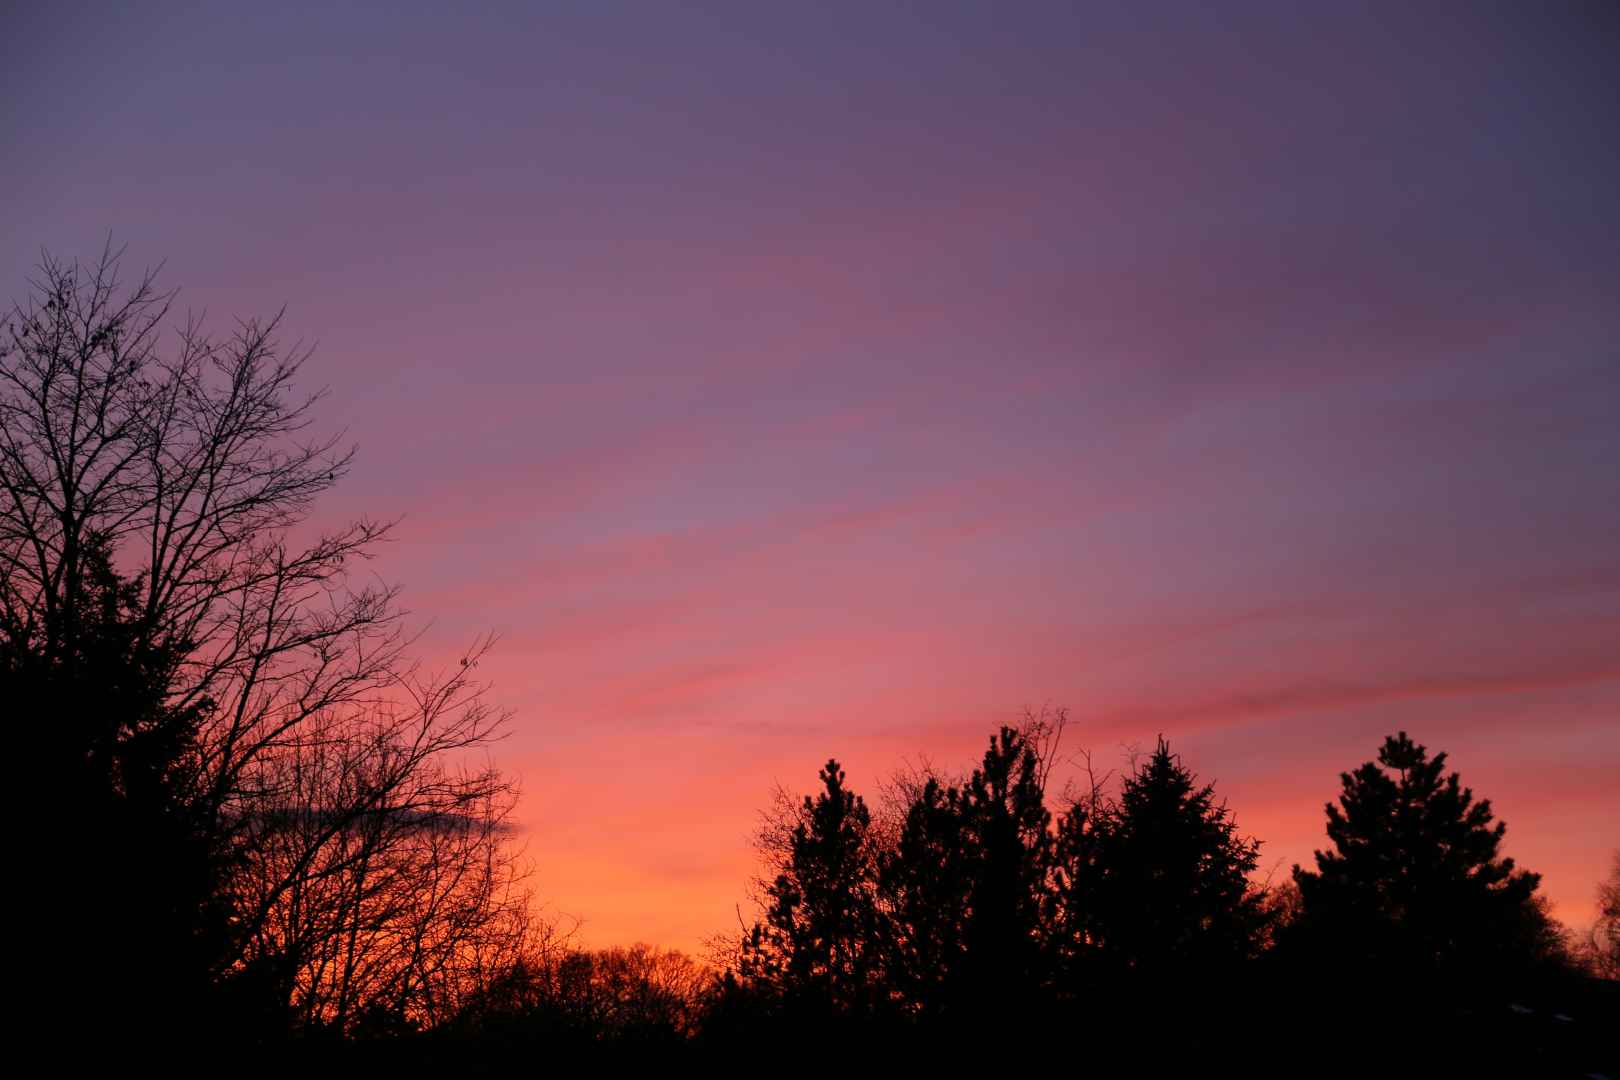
pixel 843 379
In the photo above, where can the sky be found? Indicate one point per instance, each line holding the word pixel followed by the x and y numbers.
pixel 785 381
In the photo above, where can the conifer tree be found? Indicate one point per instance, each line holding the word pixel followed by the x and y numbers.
pixel 1072 930
pixel 965 886
pixel 815 946
pixel 925 896
pixel 1007 831
pixel 1169 885
pixel 136 911
pixel 1415 882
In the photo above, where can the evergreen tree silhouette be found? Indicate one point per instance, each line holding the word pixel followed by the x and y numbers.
pixel 1006 826
pixel 1415 884
pixel 965 887
pixel 1072 927
pixel 132 902
pixel 816 945
pixel 924 884
pixel 1169 887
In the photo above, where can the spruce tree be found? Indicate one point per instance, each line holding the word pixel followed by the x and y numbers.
pixel 1169 885
pixel 1415 883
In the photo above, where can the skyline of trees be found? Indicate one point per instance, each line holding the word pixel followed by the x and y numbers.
pixel 983 900
pixel 265 818
pixel 1135 907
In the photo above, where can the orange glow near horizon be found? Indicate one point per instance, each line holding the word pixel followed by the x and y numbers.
pixel 781 382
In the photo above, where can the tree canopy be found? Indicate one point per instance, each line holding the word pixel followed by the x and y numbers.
pixel 1416 878
pixel 208 670
pixel 980 903
pixel 1170 873
pixel 817 943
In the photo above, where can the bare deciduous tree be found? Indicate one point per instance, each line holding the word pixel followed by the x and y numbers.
pixel 382 866
pixel 1601 950
pixel 638 994
pixel 369 847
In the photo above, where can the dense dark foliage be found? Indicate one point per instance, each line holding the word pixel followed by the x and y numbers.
pixel 1415 884
pixel 1414 925
pixel 962 890
pixel 818 944
pixel 1171 891
pixel 982 908
pixel 135 917
pixel 1135 915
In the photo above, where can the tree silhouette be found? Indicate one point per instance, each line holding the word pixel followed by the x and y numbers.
pixel 1172 874
pixel 1005 826
pixel 1073 930
pixel 925 886
pixel 635 996
pixel 971 915
pixel 125 848
pixel 271 707
pixel 816 945
pixel 1603 944
pixel 1416 884
pixel 964 886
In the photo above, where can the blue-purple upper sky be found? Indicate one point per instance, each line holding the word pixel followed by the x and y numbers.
pixel 794 380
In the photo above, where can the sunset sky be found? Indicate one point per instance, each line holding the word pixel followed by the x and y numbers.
pixel 791 380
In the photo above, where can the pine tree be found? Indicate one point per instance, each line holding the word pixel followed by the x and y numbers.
pixel 964 887
pixel 1007 832
pixel 1416 883
pixel 815 945
pixel 1168 888
pixel 924 885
